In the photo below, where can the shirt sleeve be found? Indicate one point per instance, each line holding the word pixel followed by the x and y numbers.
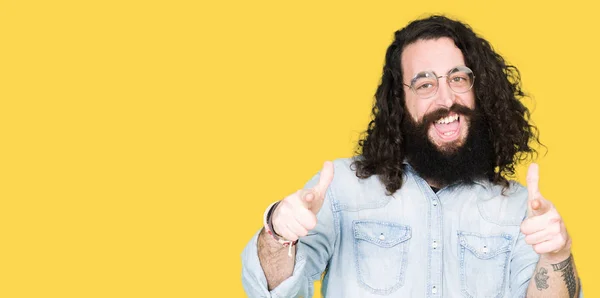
pixel 313 252
pixel 522 266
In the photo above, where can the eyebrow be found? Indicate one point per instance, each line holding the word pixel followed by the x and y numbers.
pixel 420 74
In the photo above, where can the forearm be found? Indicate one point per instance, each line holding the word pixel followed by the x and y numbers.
pixel 274 260
pixel 554 279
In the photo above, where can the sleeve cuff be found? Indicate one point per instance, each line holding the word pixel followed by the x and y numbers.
pixel 255 282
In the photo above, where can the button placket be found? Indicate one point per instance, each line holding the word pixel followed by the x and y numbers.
pixel 436 252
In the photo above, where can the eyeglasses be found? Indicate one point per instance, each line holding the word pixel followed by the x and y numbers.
pixel 425 84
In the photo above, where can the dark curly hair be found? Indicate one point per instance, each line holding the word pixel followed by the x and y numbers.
pixel 497 95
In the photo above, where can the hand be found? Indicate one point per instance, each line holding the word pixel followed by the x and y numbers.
pixel 297 213
pixel 544 228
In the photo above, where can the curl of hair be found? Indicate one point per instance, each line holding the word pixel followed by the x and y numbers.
pixel 498 94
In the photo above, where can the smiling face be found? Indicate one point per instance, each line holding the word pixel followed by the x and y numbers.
pixel 448 129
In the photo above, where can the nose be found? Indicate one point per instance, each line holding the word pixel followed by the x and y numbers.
pixel 445 96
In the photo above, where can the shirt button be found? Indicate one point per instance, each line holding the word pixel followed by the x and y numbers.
pixel 434 290
pixel 381 237
pixel 434 245
pixel 434 203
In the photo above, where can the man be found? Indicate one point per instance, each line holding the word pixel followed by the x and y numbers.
pixel 425 209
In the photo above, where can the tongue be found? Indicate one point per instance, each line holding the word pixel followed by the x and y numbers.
pixel 443 128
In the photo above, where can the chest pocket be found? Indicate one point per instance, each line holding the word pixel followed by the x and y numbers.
pixel 483 264
pixel 380 250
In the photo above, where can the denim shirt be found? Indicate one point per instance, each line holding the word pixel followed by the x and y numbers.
pixel 463 241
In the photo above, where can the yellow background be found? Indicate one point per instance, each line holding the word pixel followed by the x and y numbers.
pixel 142 140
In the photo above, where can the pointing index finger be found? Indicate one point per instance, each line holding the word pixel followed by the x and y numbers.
pixel 325 178
pixel 533 178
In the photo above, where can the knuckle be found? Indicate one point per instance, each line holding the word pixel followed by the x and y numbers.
pixel 556 228
pixel 278 213
pixel 286 207
pixel 555 217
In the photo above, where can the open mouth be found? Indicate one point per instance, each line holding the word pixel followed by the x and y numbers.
pixel 448 128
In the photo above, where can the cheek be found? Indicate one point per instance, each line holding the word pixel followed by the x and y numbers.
pixel 468 100
pixel 417 108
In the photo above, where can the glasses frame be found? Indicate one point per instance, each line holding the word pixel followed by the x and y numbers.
pixel 451 71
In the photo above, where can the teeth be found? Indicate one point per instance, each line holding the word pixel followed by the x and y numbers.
pixel 447 120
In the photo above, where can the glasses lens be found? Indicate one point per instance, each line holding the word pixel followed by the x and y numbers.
pixel 425 84
pixel 461 79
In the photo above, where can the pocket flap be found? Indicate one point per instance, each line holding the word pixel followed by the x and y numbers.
pixel 384 234
pixel 485 247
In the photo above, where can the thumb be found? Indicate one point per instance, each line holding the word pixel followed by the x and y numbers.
pixel 533 178
pixel 310 200
pixel 539 206
pixel 308 196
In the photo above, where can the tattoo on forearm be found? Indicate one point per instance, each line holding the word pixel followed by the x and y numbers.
pixel 541 278
pixel 568 274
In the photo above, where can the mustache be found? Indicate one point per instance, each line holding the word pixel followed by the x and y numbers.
pixel 430 118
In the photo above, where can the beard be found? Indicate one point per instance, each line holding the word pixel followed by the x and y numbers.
pixel 461 161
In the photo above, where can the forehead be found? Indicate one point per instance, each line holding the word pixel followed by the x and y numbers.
pixel 438 55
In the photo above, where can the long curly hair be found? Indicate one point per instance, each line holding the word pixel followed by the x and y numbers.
pixel 497 94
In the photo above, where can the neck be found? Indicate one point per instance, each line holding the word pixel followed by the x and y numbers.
pixel 433 183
